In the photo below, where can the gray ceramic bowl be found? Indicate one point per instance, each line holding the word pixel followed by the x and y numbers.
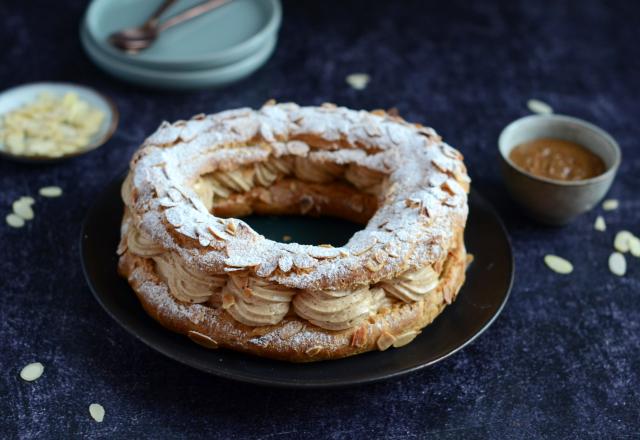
pixel 551 201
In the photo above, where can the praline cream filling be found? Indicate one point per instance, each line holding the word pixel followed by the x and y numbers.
pixel 317 172
pixel 338 309
pixel 364 179
pixel 140 244
pixel 412 285
pixel 256 302
pixel 253 301
pixel 186 284
pixel 221 184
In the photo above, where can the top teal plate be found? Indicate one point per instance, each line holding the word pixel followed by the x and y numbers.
pixel 222 36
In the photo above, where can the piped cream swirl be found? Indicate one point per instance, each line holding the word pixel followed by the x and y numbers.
pixel 185 283
pixel 204 189
pixel 256 302
pixel 336 309
pixel 210 186
pixel 314 171
pixel 224 183
pixel 267 172
pixel 412 285
pixel 139 244
pixel 364 179
pixel 240 180
pixel 125 190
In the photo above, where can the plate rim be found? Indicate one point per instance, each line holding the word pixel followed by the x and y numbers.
pixel 180 80
pixel 241 376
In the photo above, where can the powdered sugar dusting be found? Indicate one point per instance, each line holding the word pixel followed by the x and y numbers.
pixel 422 202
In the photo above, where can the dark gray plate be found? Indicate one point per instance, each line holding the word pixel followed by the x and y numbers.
pixel 481 299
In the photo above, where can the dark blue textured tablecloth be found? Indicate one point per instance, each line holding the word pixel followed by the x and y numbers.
pixel 563 359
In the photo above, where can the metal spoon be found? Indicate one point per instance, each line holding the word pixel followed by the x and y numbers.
pixel 133 40
pixel 120 38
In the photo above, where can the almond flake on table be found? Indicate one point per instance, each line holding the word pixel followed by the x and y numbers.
pixel 15 221
pixel 50 191
pixel 97 412
pixel 539 107
pixel 600 224
pixel 22 208
pixel 622 241
pixel 32 371
pixel 610 204
pixel 617 264
pixel 358 81
pixel 634 246
pixel 27 199
pixel 558 264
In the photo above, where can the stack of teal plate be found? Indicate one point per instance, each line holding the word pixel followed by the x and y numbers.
pixel 214 49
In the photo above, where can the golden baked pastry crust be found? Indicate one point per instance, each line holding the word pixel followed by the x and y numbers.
pixel 222 284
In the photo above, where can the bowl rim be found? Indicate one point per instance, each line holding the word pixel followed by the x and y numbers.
pixel 607 175
pixel 113 125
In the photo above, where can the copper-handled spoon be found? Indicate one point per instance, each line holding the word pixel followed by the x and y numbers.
pixel 120 38
pixel 135 39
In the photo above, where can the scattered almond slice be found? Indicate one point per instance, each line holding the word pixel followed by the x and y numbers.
pixel 600 224
pixel 634 246
pixel 558 264
pixel 358 81
pixel 617 264
pixel 32 371
pixel 610 204
pixel 15 221
pixel 539 107
pixel 622 240
pixel 22 208
pixel 97 412
pixel 50 191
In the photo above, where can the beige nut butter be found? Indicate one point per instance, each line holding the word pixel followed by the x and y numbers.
pixel 557 159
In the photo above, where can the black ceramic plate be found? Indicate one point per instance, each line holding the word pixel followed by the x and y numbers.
pixel 480 301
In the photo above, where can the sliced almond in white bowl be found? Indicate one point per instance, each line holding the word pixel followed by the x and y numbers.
pixel 49 121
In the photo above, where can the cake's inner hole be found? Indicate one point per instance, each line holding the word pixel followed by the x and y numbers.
pixel 268 194
pixel 304 230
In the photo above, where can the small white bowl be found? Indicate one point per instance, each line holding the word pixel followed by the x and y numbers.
pixel 19 96
pixel 550 201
